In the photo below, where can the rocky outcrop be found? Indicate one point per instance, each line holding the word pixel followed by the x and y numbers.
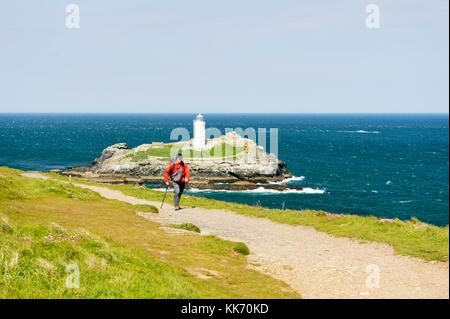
pixel 225 160
pixel 109 152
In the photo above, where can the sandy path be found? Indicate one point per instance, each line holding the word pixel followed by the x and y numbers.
pixel 317 265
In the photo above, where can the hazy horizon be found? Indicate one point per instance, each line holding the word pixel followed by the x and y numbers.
pixel 226 113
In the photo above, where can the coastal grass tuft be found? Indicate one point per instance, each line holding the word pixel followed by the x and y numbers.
pixel 241 248
pixel 187 226
pixel 407 237
pixel 5 226
pixel 146 209
pixel 50 227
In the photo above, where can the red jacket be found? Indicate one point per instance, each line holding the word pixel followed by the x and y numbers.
pixel 174 167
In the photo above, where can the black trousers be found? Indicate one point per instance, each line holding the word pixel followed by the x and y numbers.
pixel 178 189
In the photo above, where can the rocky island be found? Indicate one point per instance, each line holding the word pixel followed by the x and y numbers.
pixel 229 162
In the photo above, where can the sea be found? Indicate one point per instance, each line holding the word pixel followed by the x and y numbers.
pixel 390 166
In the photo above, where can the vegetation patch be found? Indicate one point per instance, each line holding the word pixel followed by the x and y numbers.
pixel 40 268
pixel 163 151
pixel 5 226
pixel 187 226
pixel 222 150
pixel 241 248
pixel 146 209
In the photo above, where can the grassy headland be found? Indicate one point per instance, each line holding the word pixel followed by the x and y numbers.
pixel 47 226
pixel 411 238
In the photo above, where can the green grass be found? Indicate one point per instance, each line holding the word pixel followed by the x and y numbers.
pixel 146 209
pixel 407 237
pixel 187 226
pixel 46 225
pixel 224 150
pixel 164 151
pixel 241 248
pixel 35 259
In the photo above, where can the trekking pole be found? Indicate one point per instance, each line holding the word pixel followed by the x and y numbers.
pixel 164 197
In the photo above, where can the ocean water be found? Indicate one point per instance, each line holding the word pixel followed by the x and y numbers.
pixel 393 166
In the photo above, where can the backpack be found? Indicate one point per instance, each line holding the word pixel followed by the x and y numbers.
pixel 177 176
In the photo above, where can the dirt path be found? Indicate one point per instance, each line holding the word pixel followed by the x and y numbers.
pixel 317 265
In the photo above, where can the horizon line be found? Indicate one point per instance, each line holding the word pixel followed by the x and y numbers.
pixel 229 113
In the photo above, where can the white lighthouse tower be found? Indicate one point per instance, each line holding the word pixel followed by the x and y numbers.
pixel 199 132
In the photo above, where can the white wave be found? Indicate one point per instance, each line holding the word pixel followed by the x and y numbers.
pixel 289 180
pixel 404 201
pixel 261 190
pixel 308 190
pixel 368 132
pixel 361 132
pixel 388 183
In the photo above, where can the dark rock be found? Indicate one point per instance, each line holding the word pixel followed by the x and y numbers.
pixel 110 152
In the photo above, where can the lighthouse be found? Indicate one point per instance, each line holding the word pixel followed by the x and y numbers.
pixel 199 132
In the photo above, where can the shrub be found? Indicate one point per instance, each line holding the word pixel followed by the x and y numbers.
pixel 5 226
pixel 241 248
pixel 146 209
pixel 188 227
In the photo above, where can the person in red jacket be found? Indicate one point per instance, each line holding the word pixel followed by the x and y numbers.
pixel 179 173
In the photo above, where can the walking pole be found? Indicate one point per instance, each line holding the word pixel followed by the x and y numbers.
pixel 164 197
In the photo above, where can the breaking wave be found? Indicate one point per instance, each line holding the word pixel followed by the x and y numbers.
pixel 260 190
pixel 361 132
pixel 290 180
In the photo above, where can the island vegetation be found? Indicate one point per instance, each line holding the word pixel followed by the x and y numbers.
pixel 166 151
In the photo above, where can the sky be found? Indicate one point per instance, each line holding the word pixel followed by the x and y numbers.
pixel 218 56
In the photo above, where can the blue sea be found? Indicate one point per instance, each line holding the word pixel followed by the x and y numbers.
pixel 393 166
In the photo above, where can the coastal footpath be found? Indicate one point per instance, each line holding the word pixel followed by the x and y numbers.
pixel 319 255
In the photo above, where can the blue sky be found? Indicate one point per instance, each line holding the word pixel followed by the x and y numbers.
pixel 224 56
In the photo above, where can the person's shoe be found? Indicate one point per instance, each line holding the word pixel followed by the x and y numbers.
pixel 177 208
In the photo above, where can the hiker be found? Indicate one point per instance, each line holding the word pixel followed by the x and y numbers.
pixel 178 172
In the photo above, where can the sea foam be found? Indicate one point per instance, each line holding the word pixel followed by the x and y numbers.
pixel 261 190
pixel 290 180
pixel 361 132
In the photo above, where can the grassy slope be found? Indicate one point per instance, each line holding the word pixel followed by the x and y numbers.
pixel 412 238
pixel 46 225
